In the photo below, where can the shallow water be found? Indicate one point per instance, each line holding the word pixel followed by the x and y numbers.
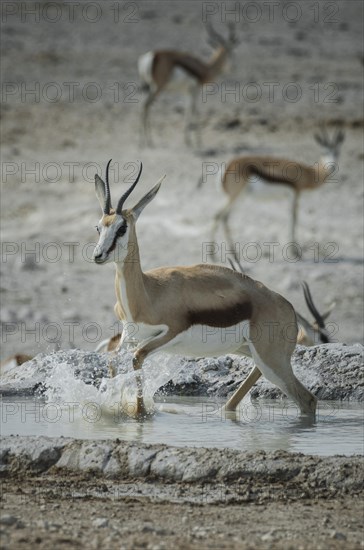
pixel 262 424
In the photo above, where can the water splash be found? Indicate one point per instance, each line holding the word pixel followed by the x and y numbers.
pixel 117 395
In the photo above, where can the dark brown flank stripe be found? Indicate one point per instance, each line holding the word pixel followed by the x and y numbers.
pixel 269 177
pixel 191 65
pixel 223 318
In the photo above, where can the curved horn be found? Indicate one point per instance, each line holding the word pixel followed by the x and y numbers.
pixel 214 35
pixel 339 137
pixel 107 191
pixel 311 306
pixel 127 193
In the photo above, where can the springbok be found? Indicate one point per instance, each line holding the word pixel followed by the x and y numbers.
pixel 160 68
pixel 199 310
pixel 309 333
pixel 262 172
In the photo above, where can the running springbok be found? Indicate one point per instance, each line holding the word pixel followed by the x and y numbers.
pixel 309 333
pixel 160 68
pixel 199 310
pixel 261 173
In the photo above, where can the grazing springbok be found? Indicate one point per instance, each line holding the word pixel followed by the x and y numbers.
pixel 261 173
pixel 199 310
pixel 311 334
pixel 160 68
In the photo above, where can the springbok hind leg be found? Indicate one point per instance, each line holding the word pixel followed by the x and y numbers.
pixel 276 367
pixel 294 214
pixel 243 389
pixel 145 131
pixel 229 239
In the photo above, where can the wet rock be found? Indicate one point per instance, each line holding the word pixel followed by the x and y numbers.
pixel 31 377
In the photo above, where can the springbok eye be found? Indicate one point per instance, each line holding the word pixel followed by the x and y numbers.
pixel 121 231
pixel 97 229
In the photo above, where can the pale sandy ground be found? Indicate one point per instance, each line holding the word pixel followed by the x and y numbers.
pixel 48 136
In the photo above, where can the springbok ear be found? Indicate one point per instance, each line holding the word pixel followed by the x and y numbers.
pixel 139 207
pixel 100 191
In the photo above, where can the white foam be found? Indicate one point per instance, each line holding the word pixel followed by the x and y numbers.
pixel 117 394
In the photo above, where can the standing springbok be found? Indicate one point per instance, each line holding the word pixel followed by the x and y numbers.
pixel 160 68
pixel 199 310
pixel 262 173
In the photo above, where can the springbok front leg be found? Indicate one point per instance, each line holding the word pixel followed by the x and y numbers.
pixel 145 130
pixel 229 238
pixel 294 213
pixel 221 218
pixel 192 122
pixel 139 357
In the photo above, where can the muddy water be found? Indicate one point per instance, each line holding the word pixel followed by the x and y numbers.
pixel 262 424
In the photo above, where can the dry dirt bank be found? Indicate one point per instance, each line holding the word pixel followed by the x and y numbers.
pixel 112 494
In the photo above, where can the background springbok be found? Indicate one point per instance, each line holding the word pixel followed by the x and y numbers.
pixel 311 334
pixel 263 172
pixel 159 68
pixel 199 310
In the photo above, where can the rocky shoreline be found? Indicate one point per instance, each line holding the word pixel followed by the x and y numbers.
pixel 330 371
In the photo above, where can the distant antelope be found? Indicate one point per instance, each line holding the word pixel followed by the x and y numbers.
pixel 268 172
pixel 311 334
pixel 199 310
pixel 159 68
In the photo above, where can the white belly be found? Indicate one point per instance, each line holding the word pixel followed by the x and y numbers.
pixel 180 81
pixel 197 341
pixel 205 341
pixel 260 187
pixel 138 334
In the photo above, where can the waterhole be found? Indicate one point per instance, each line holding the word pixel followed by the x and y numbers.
pixel 194 422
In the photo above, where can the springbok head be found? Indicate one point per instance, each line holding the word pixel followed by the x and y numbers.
pixel 116 225
pixel 217 40
pixel 332 145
